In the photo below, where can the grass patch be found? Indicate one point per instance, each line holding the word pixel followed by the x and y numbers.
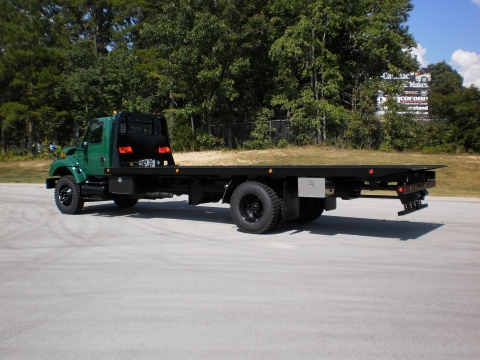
pixel 32 171
pixel 460 178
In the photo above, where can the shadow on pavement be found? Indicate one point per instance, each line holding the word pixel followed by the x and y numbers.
pixel 326 225
pixel 337 225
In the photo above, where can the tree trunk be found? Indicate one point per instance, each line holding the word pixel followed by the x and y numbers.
pixel 30 135
pixel 315 78
pixel 324 124
pixel 171 96
pixel 230 142
pixel 4 139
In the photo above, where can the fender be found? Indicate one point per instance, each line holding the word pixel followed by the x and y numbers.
pixel 68 166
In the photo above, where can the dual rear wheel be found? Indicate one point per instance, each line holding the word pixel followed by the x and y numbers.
pixel 256 208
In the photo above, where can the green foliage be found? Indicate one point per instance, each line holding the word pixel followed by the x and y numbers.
pixel 23 155
pixel 183 139
pixel 209 142
pixel 212 57
pixel 364 131
pixel 114 82
pixel 399 128
pixel 445 80
pixel 261 137
pixel 283 143
pixel 457 108
pixel 218 63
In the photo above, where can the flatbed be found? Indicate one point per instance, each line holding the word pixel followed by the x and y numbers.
pixel 359 172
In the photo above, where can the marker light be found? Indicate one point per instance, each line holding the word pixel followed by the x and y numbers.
pixel 371 171
pixel 125 150
pixel 164 150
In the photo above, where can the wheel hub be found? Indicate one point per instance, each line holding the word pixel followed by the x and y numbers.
pixel 251 209
pixel 65 196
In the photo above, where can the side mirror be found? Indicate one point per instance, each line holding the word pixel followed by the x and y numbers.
pixel 53 148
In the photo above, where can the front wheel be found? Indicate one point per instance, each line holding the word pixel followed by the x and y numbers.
pixel 255 207
pixel 67 196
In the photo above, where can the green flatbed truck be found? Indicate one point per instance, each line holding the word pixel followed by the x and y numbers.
pixel 126 157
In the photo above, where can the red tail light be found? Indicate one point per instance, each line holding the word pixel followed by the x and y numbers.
pixel 125 150
pixel 164 150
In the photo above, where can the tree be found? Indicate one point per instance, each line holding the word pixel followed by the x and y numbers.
pixel 30 63
pixel 308 71
pixel 445 80
pixel 113 82
pixel 456 110
pixel 332 51
pixel 212 57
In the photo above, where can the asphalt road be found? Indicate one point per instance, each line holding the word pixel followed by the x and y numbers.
pixel 167 281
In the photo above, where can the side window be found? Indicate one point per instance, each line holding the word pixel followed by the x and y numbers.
pixel 96 132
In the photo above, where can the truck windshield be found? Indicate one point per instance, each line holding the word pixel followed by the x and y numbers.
pixel 140 124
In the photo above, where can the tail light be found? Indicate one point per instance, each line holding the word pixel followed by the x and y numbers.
pixel 125 150
pixel 164 150
pixel 406 189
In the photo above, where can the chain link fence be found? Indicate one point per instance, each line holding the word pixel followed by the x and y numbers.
pixel 241 132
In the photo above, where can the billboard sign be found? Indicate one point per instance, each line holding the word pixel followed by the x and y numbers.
pixel 415 94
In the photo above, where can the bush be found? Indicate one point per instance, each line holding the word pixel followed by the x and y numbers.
pixel 262 137
pixel 183 139
pixel 209 142
pixel 283 144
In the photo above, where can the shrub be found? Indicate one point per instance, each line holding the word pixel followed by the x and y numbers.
pixel 209 142
pixel 283 143
pixel 183 139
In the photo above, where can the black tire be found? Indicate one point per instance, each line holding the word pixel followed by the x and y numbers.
pixel 255 207
pixel 67 196
pixel 310 210
pixel 125 203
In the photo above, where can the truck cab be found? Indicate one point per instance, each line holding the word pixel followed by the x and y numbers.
pixel 121 140
pixel 124 139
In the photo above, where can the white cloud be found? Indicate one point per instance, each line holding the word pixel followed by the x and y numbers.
pixel 420 52
pixel 476 2
pixel 467 64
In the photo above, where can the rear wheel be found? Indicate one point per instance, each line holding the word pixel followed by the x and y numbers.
pixel 125 203
pixel 67 195
pixel 310 210
pixel 255 207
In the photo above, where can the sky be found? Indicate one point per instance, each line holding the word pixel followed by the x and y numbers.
pixel 448 30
